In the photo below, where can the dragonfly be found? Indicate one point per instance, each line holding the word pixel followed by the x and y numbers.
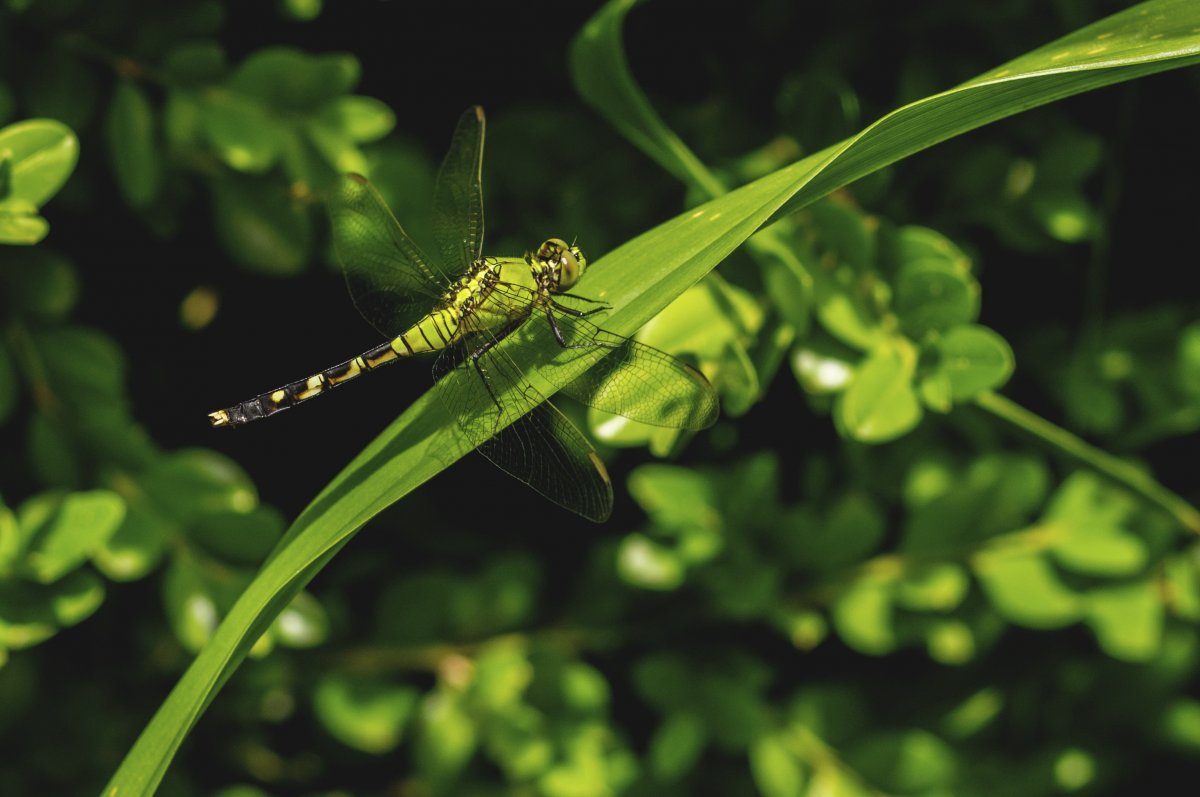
pixel 491 323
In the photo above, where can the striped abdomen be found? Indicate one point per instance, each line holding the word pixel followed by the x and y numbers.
pixel 432 333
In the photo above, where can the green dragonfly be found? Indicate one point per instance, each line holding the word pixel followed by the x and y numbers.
pixel 461 306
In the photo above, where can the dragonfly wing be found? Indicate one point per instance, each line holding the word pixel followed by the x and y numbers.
pixel 458 195
pixel 614 373
pixel 522 433
pixel 392 283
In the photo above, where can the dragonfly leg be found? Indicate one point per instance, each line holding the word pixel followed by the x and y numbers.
pixel 601 306
pixel 558 335
pixel 487 346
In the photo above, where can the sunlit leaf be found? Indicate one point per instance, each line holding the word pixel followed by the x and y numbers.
pixel 366 714
pixel 136 547
pixel 880 404
pixel 80 525
pixel 775 769
pixel 42 155
pixel 1024 588
pixel 862 616
pixel 363 119
pixel 974 359
pixel 1127 619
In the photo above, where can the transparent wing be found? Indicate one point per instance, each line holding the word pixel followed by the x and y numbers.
pixel 622 376
pixel 458 196
pixel 540 447
pixel 391 281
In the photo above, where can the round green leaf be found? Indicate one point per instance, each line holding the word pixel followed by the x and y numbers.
pixel 76 596
pixel 1025 589
pixel 446 740
pixel 303 624
pixel 135 548
pixel 880 404
pixel 190 604
pixel 676 745
pixel 933 296
pixel 647 564
pixel 42 155
pixel 862 616
pixel 937 587
pixel 237 535
pixel 82 523
pixel 301 10
pixel 26 615
pixel 20 225
pixel 337 148
pixel 133 146
pixel 191 483
pixel 905 762
pixel 287 78
pixel 1127 619
pixel 974 359
pixel 362 119
pixel 774 767
pixel 364 713
pixel 241 131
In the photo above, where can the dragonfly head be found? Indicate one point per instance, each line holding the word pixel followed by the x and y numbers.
pixel 565 262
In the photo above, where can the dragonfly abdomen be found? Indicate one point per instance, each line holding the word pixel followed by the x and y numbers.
pixel 433 332
pixel 293 393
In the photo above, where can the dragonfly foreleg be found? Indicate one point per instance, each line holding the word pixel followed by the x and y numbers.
pixel 558 335
pixel 602 306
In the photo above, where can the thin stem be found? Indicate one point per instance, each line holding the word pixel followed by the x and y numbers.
pixel 1120 471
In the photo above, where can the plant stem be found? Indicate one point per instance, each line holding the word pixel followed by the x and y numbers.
pixel 1120 471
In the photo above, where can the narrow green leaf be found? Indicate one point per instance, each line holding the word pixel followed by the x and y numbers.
pixel 42 154
pixel 133 147
pixel 638 279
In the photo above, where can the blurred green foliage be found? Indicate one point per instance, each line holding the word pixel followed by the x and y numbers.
pixel 881 593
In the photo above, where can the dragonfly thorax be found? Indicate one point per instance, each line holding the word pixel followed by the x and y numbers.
pixel 557 265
